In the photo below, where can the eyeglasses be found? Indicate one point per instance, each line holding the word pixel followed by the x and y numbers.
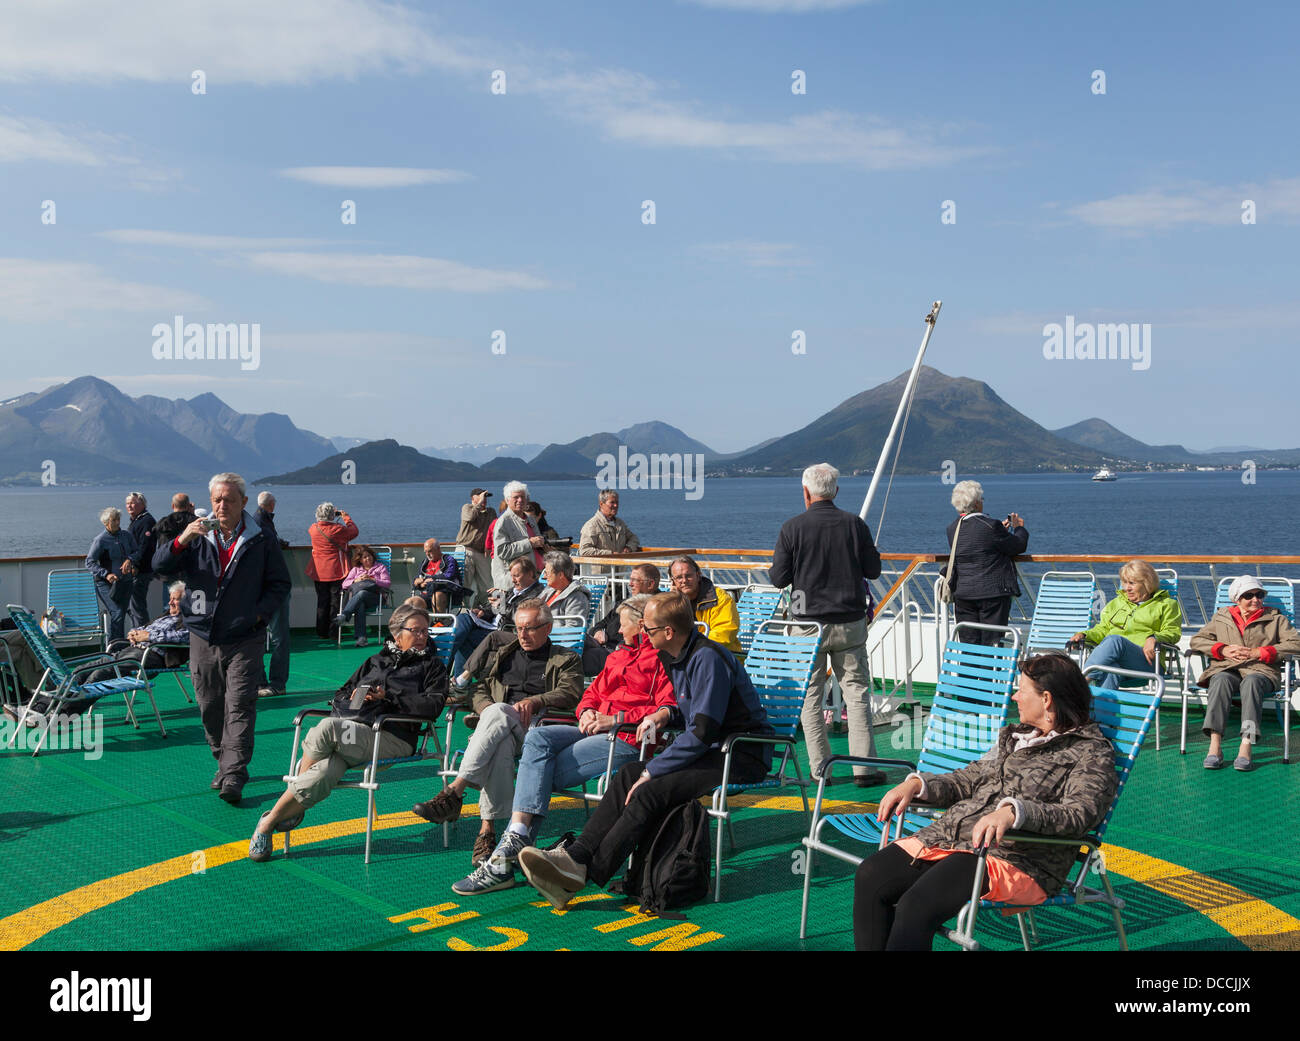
pixel 1257 594
pixel 415 629
pixel 650 629
pixel 532 628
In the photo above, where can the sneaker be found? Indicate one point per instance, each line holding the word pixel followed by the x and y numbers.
pixel 485 843
pixel 362 641
pixel 443 808
pixel 1213 762
pixel 259 846
pixel 1243 764
pixel 492 874
pixel 32 719
pixel 508 848
pixel 269 692
pixel 555 874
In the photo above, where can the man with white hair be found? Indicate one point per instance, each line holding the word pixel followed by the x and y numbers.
pixel 236 580
pixel 515 535
pixel 826 555
pixel 277 674
pixel 605 535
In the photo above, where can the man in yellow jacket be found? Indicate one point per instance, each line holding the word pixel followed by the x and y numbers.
pixel 712 606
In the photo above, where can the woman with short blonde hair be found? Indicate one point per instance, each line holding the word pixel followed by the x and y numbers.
pixel 1133 625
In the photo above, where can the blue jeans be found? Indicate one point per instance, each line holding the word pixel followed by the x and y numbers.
pixel 466 636
pixel 358 604
pixel 278 628
pixel 562 757
pixel 1118 652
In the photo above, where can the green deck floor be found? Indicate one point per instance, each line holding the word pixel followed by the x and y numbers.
pixel 133 851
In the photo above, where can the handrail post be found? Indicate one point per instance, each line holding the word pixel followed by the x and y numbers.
pixel 907 641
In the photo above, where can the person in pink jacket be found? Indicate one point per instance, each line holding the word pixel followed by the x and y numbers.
pixel 330 536
pixel 365 583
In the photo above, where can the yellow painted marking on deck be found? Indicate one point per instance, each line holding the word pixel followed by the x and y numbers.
pixel 676 938
pixel 513 938
pixel 1256 923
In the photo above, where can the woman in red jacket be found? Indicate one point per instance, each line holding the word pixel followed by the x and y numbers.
pixel 632 686
pixel 328 565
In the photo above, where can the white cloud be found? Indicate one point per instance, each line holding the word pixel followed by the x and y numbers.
pixel 1195 203
pixel 24 139
pixel 395 271
pixel 372 176
pixel 756 254
pixel 781 6
pixel 235 41
pixel 43 290
pixel 186 240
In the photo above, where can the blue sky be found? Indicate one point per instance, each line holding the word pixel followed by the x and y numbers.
pixel 774 211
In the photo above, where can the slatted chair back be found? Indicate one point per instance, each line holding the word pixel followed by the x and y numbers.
pixel 1281 594
pixel 970 705
pixel 597 588
pixel 568 632
pixel 757 604
pixel 72 592
pixel 458 555
pixel 40 644
pixel 1063 608
pixel 441 638
pixel 1168 580
pixel 779 664
pixel 1125 716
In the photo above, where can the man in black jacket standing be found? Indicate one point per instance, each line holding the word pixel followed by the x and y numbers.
pixel 235 579
pixel 825 555
pixel 278 627
pixel 142 530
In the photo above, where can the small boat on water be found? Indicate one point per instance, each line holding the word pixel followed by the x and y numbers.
pixel 1104 474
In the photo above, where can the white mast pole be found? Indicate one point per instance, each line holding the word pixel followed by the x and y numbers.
pixel 908 391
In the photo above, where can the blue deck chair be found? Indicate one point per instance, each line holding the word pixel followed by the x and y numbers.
pixel 441 638
pixel 971 697
pixel 72 592
pixel 153 664
pixel 779 665
pixel 1281 594
pixel 1063 608
pixel 369 782
pixel 383 555
pixel 757 604
pixel 1125 716
pixel 60 682
pixel 597 588
pixel 568 632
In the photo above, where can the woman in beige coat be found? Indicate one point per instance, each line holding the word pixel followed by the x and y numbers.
pixel 1244 644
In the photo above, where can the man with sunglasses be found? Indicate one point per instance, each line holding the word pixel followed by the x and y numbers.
pixel 715 700
pixel 517 677
pixel 1243 643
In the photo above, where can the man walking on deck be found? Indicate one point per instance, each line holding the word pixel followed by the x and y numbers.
pixel 236 578
pixel 824 555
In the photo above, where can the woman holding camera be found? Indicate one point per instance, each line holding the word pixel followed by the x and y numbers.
pixel 328 565
pixel 982 565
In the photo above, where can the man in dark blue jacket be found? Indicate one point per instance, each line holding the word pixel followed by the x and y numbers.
pixel 278 626
pixel 142 525
pixel 715 700
pixel 235 579
pixel 825 555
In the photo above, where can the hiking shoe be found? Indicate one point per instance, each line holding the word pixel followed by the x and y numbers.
pixel 443 808
pixel 216 782
pixel 259 846
pixel 484 845
pixel 555 874
pixel 492 874
pixel 1243 764
pixel 1213 762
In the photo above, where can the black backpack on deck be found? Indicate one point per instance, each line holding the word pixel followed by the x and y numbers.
pixel 675 867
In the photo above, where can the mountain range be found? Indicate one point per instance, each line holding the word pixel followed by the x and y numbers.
pixel 98 435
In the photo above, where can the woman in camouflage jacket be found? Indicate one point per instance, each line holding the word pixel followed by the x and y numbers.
pixel 1053 773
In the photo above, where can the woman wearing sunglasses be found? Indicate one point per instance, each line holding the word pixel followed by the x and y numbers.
pixel 1243 643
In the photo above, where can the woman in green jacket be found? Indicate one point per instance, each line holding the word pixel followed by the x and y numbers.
pixel 1141 617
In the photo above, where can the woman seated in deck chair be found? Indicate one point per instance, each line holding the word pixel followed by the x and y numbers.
pixel 141 645
pixel 1132 626
pixel 633 685
pixel 406 678
pixel 1243 642
pixel 1053 773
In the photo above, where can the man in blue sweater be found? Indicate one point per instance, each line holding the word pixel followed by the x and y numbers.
pixel 236 578
pixel 715 700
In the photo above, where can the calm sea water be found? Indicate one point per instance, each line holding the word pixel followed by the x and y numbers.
pixel 1142 514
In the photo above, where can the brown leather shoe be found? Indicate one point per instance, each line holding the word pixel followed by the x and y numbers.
pixel 443 808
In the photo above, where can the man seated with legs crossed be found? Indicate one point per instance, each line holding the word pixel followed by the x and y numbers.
pixel 517 676
pixel 632 685
pixel 715 700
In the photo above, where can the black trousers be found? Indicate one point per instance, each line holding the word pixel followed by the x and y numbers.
pixel 329 596
pixel 615 830
pixel 899 904
pixel 986 612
